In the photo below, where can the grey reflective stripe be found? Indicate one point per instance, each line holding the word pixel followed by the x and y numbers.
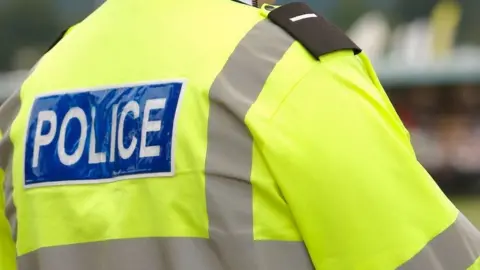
pixel 278 255
pixel 158 253
pixel 8 112
pixel 126 254
pixel 228 189
pixel 230 144
pixel 458 247
pixel 6 152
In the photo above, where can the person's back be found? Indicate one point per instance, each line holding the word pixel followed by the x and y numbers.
pixel 199 135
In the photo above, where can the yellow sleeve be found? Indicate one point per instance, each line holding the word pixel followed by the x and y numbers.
pixel 345 166
pixel 7 246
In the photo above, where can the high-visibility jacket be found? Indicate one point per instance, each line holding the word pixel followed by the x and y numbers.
pixel 210 135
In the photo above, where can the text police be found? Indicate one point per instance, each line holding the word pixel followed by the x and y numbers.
pixel 102 135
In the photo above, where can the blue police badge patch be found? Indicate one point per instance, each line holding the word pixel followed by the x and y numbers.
pixel 102 135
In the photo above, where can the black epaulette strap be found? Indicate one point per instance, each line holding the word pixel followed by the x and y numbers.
pixel 313 31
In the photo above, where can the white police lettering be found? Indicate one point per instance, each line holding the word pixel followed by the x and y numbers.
pixel 113 135
pixel 151 126
pixel 41 140
pixel 126 153
pixel 102 135
pixel 119 135
pixel 93 156
pixel 65 158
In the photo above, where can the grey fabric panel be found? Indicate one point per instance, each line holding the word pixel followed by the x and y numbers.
pixel 127 254
pixel 230 144
pixel 458 247
pixel 159 253
pixel 276 255
pixel 8 113
pixel 244 75
pixel 6 152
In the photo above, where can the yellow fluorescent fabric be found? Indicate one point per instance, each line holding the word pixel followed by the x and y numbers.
pixel 148 207
pixel 344 179
pixel 355 189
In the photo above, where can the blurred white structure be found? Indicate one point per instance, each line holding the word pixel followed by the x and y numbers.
pixel 412 43
pixel 371 32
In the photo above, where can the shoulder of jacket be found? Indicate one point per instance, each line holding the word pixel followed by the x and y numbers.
pixel 310 29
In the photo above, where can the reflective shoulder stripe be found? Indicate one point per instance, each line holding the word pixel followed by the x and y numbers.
pixel 230 146
pixel 458 247
pixel 231 244
pixel 162 253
